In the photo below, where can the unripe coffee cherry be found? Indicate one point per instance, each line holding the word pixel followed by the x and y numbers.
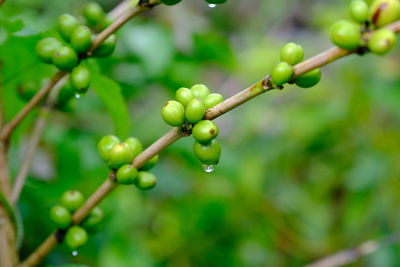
pixel 104 23
pixel 359 11
pixel 383 12
pixel 308 79
pixel 127 174
pixel 208 154
pixel 200 91
pixel 80 78
pixel 150 164
pixel 46 48
pixel 60 216
pixel 170 2
pixel 292 54
pixel 119 155
pixel 93 13
pixel 346 34
pixel 27 89
pixel 212 100
pixel 65 58
pixel 72 200
pixel 135 145
pixel 94 219
pixel 173 113
pixel 76 237
pixel 281 73
pixel 205 131
pixel 382 41
pixel 105 145
pixel 184 96
pixel 66 24
pixel 216 1
pixel 106 48
pixel 194 111
pixel 146 180
pixel 81 39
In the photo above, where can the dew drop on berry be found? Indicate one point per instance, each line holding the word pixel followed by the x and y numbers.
pixel 75 253
pixel 212 5
pixel 78 96
pixel 208 168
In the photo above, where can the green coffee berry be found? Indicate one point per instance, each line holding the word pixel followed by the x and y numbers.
pixel 126 174
pixel 281 73
pixel 173 113
pixel 208 154
pixel 170 2
pixel 106 48
pixel 308 79
pixel 292 53
pixel 119 155
pixel 184 96
pixel 81 39
pixel 105 145
pixel 66 24
pixel 150 164
pixel 382 41
pixel 60 216
pixel 93 13
pixel 212 100
pixel 195 111
pixel 383 12
pixel 205 131
pixel 65 58
pixel 46 48
pixel 104 23
pixel 135 145
pixel 27 89
pixel 72 200
pixel 146 180
pixel 200 91
pixel 359 11
pixel 76 237
pixel 346 34
pixel 80 78
pixel 94 219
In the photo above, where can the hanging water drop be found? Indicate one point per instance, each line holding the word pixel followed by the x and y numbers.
pixel 75 253
pixel 212 5
pixel 208 168
pixel 78 95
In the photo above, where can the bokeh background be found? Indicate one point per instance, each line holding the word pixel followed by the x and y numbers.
pixel 304 172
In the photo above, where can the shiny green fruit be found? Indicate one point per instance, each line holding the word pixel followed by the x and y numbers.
pixel 81 39
pixel 66 24
pixel 80 78
pixel 292 54
pixel 200 91
pixel 106 48
pixel 76 237
pixel 308 79
pixel 150 164
pixel 27 89
pixel 184 96
pixel 346 34
pixel 170 2
pixel 212 100
pixel 60 216
pixel 93 13
pixel 359 11
pixel 205 131
pixel 126 174
pixel 194 111
pixel 146 180
pixel 208 154
pixel 281 73
pixel 381 41
pixel 94 219
pixel 72 200
pixel 105 145
pixel 119 155
pixel 173 113
pixel 46 48
pixel 135 145
pixel 383 12
pixel 65 58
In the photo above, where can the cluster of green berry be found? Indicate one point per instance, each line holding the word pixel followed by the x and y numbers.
pixel 348 34
pixel 174 2
pixel 119 157
pixel 76 39
pixel 188 110
pixel 292 54
pixel 76 236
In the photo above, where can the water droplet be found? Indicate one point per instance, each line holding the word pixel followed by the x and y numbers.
pixel 212 5
pixel 208 168
pixel 77 95
pixel 75 253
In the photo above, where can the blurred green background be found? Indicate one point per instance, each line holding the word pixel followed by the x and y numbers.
pixel 304 172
